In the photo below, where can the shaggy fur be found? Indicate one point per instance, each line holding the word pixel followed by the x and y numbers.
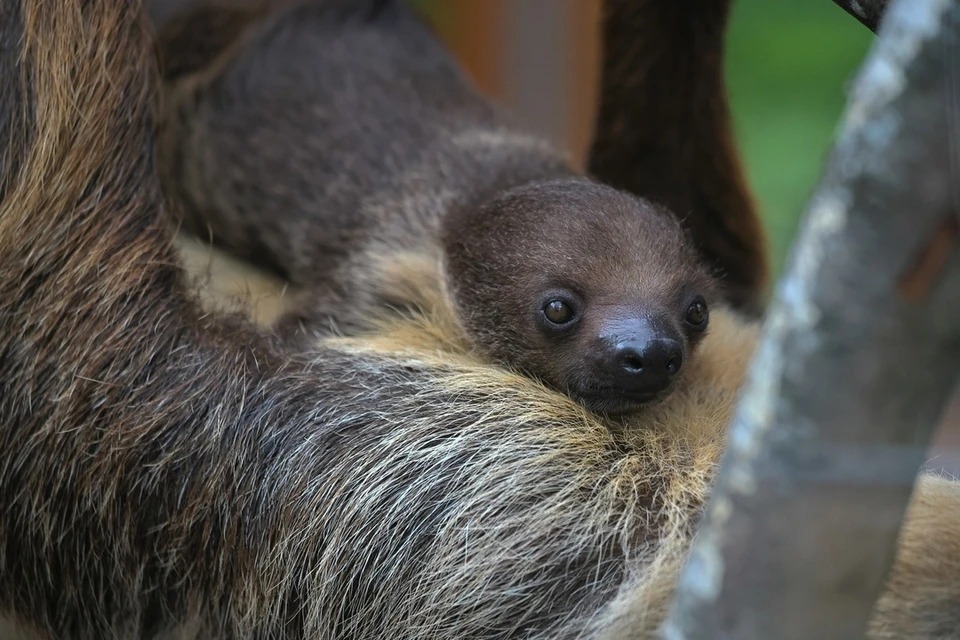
pixel 165 472
pixel 324 139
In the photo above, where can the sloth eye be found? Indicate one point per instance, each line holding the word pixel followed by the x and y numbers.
pixel 558 312
pixel 697 313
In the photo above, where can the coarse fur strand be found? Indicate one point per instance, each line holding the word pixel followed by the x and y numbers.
pixel 165 472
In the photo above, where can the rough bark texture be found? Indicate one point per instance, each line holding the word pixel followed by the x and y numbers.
pixel 859 355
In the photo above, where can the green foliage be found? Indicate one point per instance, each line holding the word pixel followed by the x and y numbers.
pixel 788 64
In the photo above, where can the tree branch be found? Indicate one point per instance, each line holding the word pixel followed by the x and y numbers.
pixel 857 360
pixel 868 12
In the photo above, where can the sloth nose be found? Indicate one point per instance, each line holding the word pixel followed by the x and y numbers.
pixel 647 367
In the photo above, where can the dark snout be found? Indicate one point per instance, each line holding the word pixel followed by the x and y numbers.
pixel 636 361
pixel 646 366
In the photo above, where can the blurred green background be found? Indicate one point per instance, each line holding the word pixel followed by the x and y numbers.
pixel 789 63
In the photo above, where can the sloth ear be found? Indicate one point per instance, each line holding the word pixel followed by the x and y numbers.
pixel 663 132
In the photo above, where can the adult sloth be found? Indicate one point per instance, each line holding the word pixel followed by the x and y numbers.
pixel 165 472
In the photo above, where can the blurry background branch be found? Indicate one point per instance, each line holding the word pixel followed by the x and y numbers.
pixel 858 357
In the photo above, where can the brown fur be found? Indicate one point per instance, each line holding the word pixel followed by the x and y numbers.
pixel 511 226
pixel 164 471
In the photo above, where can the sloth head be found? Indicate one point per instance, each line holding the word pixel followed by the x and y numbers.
pixel 595 292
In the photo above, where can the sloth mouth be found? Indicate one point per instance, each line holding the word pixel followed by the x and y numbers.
pixel 615 400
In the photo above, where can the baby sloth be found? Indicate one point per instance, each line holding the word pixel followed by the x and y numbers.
pixel 591 290
pixel 595 292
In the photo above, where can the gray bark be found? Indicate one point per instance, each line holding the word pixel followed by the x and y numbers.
pixel 859 354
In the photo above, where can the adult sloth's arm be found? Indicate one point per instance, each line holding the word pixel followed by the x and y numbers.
pixel 664 131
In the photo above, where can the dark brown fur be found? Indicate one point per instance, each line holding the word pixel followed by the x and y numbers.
pixel 398 153
pixel 165 471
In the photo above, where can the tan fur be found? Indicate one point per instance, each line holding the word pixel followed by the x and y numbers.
pixel 224 284
pixel 922 598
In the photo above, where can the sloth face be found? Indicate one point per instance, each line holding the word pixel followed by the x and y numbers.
pixel 614 355
pixel 596 293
